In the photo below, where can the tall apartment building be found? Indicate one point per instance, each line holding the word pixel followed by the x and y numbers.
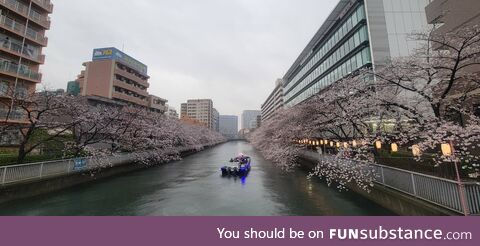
pixel 274 101
pixel 199 110
pixel 117 76
pixel 216 120
pixel 357 34
pixel 229 126
pixel 23 24
pixel 249 119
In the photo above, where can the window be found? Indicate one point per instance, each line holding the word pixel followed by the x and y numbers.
pixel 356 38
pixel 361 13
pixel 21 91
pixel 354 19
pixel 3 88
pixel 476 110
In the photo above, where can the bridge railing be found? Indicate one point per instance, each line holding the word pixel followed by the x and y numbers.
pixel 42 170
pixel 439 191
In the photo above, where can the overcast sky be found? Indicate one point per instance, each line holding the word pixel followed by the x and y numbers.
pixel 231 51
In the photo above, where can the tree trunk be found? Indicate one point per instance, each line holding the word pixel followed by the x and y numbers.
pixel 21 153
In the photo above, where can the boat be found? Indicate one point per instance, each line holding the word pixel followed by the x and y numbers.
pixel 241 169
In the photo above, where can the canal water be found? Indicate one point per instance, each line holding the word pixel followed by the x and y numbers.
pixel 194 186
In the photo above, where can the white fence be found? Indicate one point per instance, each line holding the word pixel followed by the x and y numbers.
pixel 34 171
pixel 441 192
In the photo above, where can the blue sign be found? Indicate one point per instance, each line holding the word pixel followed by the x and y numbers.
pixel 117 55
pixel 79 164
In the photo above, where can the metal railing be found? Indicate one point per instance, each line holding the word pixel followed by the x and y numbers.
pixel 33 15
pixel 23 71
pixel 17 49
pixel 35 171
pixel 19 28
pixel 439 191
pixel 45 4
pixel 16 6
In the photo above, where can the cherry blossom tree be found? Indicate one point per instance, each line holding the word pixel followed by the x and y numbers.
pixel 406 101
pixel 103 130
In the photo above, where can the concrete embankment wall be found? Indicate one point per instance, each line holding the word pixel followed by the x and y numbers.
pixel 393 200
pixel 38 187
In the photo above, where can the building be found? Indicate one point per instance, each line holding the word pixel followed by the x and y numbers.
pixel 55 93
pixel 157 104
pixel 229 126
pixel 73 88
pixel 259 121
pixel 452 15
pixel 357 34
pixel 199 111
pixel 216 120
pixel 249 119
pixel 23 25
pixel 244 133
pixel 171 112
pixel 115 75
pixel 274 102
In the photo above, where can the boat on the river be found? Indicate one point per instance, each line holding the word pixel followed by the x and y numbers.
pixel 241 169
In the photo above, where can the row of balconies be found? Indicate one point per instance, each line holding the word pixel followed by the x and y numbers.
pixel 22 30
pixel 23 72
pixel 14 115
pixel 129 98
pixel 16 49
pixel 22 9
pixel 126 86
pixel 131 76
pixel 132 71
pixel 45 4
pixel 131 82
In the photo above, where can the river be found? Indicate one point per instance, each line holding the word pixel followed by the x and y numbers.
pixel 194 186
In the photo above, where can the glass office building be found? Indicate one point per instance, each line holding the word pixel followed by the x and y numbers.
pixel 357 34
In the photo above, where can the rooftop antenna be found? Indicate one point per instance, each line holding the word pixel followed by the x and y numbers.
pixel 123 47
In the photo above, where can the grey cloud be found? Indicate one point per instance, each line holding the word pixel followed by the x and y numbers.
pixel 229 50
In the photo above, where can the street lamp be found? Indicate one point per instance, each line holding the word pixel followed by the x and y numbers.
pixel 378 144
pixel 331 144
pixel 394 147
pixel 416 150
pixel 448 150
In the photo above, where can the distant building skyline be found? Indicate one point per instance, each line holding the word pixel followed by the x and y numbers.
pixel 249 119
pixel 229 126
pixel 199 110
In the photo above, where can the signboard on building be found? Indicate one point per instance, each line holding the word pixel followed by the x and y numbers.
pixel 79 164
pixel 115 54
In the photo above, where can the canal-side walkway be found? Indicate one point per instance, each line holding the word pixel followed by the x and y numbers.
pixel 392 183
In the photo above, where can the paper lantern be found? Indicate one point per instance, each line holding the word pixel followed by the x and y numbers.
pixel 447 150
pixel 394 147
pixel 378 144
pixel 416 150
